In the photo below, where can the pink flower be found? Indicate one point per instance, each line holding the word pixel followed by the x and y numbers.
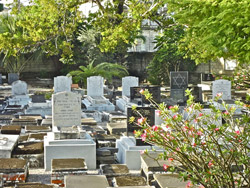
pixel 201 114
pixel 237 132
pixel 155 128
pixel 189 184
pixel 141 91
pixel 175 117
pixel 170 107
pixel 170 159
pixel 142 152
pixel 194 144
pixel 226 112
pixel 216 129
pixel 140 121
pixel 210 164
pixel 218 94
pixel 143 136
pixel 158 112
pixel 165 167
pixel 199 133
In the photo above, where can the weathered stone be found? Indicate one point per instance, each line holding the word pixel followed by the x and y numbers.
pixel 62 84
pixel 19 88
pixel 92 181
pixel 33 185
pixel 103 152
pixel 88 121
pixel 29 148
pixel 36 136
pixel 169 180
pixel 117 128
pixel 222 86
pixel 7 144
pixel 35 129
pixel 129 181
pixel 114 169
pixel 11 129
pixel 68 164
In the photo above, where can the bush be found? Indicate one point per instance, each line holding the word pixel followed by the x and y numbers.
pixel 210 155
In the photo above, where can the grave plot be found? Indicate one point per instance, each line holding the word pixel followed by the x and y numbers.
pixel 169 180
pixel 88 121
pixel 13 170
pixel 5 119
pixel 33 185
pixel 114 170
pixel 24 122
pixel 121 181
pixel 11 129
pixel 63 167
pixel 7 144
pixel 68 140
pixel 117 124
pixel 36 129
pixel 19 94
pixel 33 152
pixel 93 181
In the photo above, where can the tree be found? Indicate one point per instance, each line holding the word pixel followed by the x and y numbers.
pixel 215 28
pixel 168 57
pixel 106 70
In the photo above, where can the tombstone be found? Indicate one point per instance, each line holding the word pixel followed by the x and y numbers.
pixel 12 77
pixel 207 77
pixel 178 85
pixel 19 88
pixel 95 86
pixel 127 83
pixel 1 79
pixel 146 112
pixel 66 109
pixel 154 90
pixel 62 83
pixel 194 78
pixel 197 93
pixel 38 99
pixel 222 86
pixel 92 181
pixel 7 144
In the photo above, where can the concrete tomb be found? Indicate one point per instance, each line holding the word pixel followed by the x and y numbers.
pixel 95 95
pixel 93 181
pixel 223 87
pixel 68 140
pixel 62 83
pixel 7 144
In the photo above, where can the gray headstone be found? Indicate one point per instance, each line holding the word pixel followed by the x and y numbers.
pixel 179 80
pixel 1 79
pixel 178 94
pixel 66 109
pixel 19 88
pixel 62 83
pixel 194 78
pixel 127 83
pixel 95 86
pixel 38 99
pixel 12 77
pixel 222 86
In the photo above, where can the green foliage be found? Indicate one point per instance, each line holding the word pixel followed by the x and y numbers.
pixel 215 28
pixel 106 70
pixel 168 57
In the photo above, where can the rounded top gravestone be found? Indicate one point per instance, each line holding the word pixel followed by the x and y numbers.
pixel 19 88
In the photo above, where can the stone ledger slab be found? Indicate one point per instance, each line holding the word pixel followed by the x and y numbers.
pixel 7 144
pixel 92 181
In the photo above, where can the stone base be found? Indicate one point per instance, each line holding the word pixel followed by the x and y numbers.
pixel 19 100
pixel 97 105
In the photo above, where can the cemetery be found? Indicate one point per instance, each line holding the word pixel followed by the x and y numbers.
pixel 129 94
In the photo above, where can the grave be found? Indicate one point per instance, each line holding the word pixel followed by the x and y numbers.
pixel 178 85
pixel 68 140
pixel 222 86
pixel 12 77
pixel 63 167
pixel 127 83
pixel 114 170
pixel 19 93
pixel 24 122
pixel 194 78
pixel 93 181
pixel 207 77
pixel 95 99
pixel 197 93
pixel 169 180
pixel 11 129
pixel 136 96
pixel 7 144
pixel 13 170
pixel 33 185
pixel 39 105
pixel 62 83
pixel 129 152
pixel 122 181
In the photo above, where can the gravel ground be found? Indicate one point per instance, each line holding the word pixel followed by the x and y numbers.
pixel 39 175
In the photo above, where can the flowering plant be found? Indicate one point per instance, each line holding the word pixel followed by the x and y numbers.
pixel 210 154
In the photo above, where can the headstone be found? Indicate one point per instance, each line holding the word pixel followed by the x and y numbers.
pixel 127 83
pixel 62 83
pixel 178 85
pixel 194 78
pixel 12 77
pixel 38 99
pixel 154 90
pixel 146 112
pixel 207 77
pixel 95 86
pixel 19 88
pixel 197 93
pixel 66 109
pixel 222 86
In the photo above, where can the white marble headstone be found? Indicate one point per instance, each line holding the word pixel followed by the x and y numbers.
pixel 62 83
pixel 66 109
pixel 127 83
pixel 19 88
pixel 95 86
pixel 222 86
